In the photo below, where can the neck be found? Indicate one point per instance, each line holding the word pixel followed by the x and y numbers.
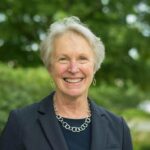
pixel 71 107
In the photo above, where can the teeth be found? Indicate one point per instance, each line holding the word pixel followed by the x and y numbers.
pixel 73 80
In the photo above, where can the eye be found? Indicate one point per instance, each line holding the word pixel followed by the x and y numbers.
pixel 63 60
pixel 83 59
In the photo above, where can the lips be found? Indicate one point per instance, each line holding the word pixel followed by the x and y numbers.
pixel 74 80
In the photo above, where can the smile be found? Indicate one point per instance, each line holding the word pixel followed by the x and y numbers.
pixel 73 80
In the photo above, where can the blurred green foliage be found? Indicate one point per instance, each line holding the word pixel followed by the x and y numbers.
pixel 122 25
pixel 22 86
pixel 19 87
pixel 123 80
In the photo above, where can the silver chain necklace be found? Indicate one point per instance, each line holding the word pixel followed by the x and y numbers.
pixel 72 128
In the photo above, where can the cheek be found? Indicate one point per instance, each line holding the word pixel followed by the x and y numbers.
pixel 60 70
pixel 89 70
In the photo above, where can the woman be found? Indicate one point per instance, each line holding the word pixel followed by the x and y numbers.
pixel 67 119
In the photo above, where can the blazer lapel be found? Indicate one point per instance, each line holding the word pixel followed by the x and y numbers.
pixel 50 125
pixel 99 128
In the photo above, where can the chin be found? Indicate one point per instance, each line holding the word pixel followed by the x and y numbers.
pixel 75 93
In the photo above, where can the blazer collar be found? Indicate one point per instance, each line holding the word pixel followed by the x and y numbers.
pixel 99 127
pixel 52 130
pixel 50 125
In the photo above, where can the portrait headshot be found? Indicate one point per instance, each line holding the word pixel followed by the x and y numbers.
pixel 68 118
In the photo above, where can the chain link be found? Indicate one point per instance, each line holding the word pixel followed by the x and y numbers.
pixel 74 129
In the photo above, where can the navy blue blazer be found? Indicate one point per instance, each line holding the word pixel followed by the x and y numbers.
pixel 35 127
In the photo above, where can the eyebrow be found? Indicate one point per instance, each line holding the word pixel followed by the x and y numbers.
pixel 65 55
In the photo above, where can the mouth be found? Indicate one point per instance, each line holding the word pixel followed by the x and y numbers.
pixel 75 80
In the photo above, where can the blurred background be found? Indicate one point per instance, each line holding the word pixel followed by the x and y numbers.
pixel 123 82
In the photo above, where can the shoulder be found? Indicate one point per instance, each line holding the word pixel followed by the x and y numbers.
pixel 26 112
pixel 110 117
pixel 22 117
pixel 29 113
pixel 115 123
pixel 117 129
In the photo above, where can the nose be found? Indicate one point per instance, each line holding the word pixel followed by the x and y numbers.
pixel 73 67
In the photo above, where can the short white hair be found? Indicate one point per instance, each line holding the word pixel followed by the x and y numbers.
pixel 71 24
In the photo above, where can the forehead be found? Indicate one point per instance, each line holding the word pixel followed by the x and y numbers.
pixel 71 41
pixel 72 35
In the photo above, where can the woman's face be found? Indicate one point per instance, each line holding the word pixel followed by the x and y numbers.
pixel 72 66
